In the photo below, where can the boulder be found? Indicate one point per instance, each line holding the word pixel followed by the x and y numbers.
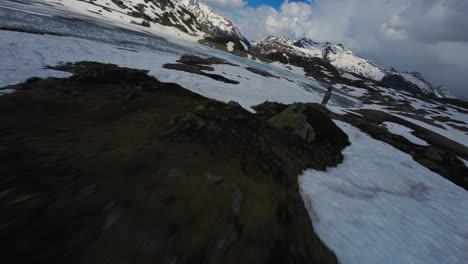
pixel 292 119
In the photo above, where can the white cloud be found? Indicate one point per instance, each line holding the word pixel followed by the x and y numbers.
pixel 416 35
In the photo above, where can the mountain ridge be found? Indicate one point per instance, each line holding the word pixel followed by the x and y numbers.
pixel 346 61
pixel 212 22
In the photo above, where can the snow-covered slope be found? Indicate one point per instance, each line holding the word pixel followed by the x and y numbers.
pixel 346 61
pixel 212 22
pixel 379 206
pixel 337 55
pixel 417 79
pixel 147 13
pixel 442 91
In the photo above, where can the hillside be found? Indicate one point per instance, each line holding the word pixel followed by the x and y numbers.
pixel 124 143
pixel 306 53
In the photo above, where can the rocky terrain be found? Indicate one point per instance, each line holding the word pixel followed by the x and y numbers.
pixel 123 139
pixel 333 63
pixel 216 25
pixel 113 165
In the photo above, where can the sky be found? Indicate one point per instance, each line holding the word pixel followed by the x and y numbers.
pixel 428 36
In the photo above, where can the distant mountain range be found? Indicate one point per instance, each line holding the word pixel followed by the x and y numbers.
pixel 327 62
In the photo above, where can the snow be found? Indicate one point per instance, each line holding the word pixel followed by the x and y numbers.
pixel 351 90
pixel 380 206
pixel 294 69
pixel 405 132
pixel 329 74
pixel 379 199
pixel 337 55
pixel 230 46
pixel 6 91
pixel 448 132
pixel 425 87
pixel 349 62
pixel 464 162
pixel 211 20
pixel 246 48
pixel 119 17
pixel 350 77
pixel 26 55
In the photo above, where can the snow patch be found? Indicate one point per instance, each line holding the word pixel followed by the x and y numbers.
pixel 6 91
pixel 350 77
pixel 230 46
pixel 380 206
pixel 464 162
pixel 405 132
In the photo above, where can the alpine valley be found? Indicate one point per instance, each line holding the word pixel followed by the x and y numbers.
pixel 153 131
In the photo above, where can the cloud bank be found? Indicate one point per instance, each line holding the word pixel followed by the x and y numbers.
pixel 429 36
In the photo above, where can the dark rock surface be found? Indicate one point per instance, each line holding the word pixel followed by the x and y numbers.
pixel 111 166
pixel 197 65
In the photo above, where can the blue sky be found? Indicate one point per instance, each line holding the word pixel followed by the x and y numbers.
pixel 274 3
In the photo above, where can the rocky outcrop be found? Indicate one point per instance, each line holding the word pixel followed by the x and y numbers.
pixel 293 120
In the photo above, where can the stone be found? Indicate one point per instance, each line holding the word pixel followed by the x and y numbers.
pixel 292 119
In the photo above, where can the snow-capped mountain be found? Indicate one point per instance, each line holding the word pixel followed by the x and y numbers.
pixel 164 16
pixel 442 91
pixel 148 13
pixel 337 55
pixel 213 23
pixel 288 51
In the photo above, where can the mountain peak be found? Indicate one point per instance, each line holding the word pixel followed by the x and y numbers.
pixel 212 22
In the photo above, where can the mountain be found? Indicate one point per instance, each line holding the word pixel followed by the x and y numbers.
pixel 442 91
pixel 337 55
pixel 213 23
pixel 165 16
pixel 343 62
pixel 148 13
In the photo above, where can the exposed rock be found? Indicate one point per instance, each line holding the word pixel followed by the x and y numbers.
pixel 268 109
pixel 261 72
pixel 197 65
pixel 293 120
pixel 93 170
pixel 195 60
